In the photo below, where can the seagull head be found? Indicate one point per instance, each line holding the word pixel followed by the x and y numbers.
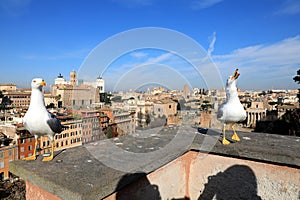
pixel 232 79
pixel 38 83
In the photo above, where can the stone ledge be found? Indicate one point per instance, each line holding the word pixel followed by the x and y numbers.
pixel 262 147
pixel 83 172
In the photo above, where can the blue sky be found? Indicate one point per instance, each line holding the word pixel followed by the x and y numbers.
pixel 45 38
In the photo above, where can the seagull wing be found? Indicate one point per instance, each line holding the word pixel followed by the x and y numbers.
pixel 220 114
pixel 54 124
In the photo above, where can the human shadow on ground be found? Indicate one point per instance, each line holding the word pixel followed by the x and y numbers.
pixel 236 182
pixel 136 186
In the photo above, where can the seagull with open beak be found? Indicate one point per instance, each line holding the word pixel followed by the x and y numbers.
pixel 231 111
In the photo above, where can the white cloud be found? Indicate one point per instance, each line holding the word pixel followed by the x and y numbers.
pixel 14 7
pixel 138 54
pixel 159 59
pixel 134 3
pixel 289 7
pixel 125 66
pixel 141 75
pixel 280 53
pixel 265 64
pixel 212 44
pixel 262 67
pixel 202 4
pixel 150 69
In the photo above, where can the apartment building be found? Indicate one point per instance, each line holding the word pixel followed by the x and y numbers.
pixel 71 136
pixel 91 128
pixel 8 87
pixel 125 122
pixel 20 98
pixel 117 122
pixel 8 153
pixel 26 142
pixel 164 107
pixel 104 120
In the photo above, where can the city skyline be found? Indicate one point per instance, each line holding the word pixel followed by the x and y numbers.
pixel 43 39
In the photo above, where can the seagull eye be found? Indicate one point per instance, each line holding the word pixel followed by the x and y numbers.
pixel 34 81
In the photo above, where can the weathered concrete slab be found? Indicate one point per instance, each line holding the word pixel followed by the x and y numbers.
pixel 255 146
pixel 94 170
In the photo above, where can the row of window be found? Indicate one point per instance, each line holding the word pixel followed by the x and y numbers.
pixel 18 96
pixel 47 143
pixel 72 141
pixel 83 102
pixel 66 135
pixel 86 140
pixel 86 132
pixel 90 126
pixel 21 101
pixel 24 140
pixel 73 126
pixel 10 154
pixel 58 144
pixel 91 120
pixel 29 148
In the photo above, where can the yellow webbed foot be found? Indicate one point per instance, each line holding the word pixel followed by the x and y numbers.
pixel 33 157
pixel 48 158
pixel 225 141
pixel 235 137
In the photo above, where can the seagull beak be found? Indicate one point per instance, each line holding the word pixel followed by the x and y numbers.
pixel 235 75
pixel 43 83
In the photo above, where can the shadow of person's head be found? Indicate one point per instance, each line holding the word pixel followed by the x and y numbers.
pixel 136 186
pixel 236 182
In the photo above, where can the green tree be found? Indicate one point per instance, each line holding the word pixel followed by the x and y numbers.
pixel 5 103
pixel 272 103
pixel 297 79
pixel 206 105
pixel 106 98
pixel 58 97
pixel 148 118
pixel 109 132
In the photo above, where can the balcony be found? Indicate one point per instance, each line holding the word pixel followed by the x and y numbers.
pixel 169 163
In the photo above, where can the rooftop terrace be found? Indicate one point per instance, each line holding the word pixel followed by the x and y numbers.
pixel 169 163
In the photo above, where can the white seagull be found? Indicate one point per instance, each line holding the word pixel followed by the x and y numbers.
pixel 231 111
pixel 38 121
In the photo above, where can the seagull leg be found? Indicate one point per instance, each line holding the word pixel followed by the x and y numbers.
pixel 49 158
pixel 33 156
pixel 235 136
pixel 224 141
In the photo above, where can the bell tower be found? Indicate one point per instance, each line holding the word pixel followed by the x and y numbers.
pixel 73 78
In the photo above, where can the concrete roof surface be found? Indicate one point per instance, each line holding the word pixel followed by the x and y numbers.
pixel 93 170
